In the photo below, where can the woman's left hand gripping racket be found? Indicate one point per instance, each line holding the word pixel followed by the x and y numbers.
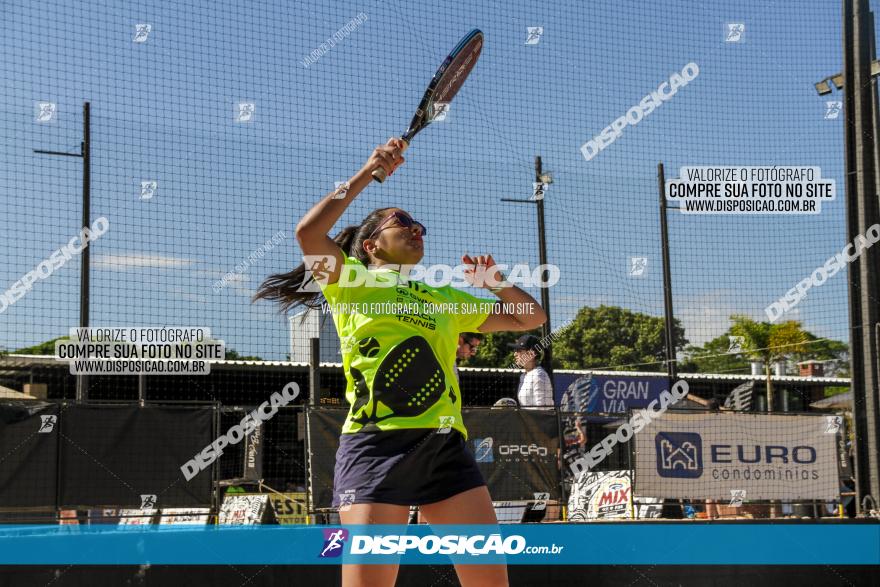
pixel 443 87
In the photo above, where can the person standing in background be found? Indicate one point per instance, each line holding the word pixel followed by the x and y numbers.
pixel 535 388
pixel 468 343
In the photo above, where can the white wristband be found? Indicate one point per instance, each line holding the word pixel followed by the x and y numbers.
pixel 503 285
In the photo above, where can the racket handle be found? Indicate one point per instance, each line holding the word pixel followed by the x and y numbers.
pixel 379 173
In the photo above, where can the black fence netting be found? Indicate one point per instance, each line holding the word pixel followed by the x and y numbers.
pixel 159 157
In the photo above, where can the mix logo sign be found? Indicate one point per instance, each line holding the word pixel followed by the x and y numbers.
pixel 679 454
pixel 334 542
pixel 614 500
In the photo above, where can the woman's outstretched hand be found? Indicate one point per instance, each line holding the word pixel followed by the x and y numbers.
pixel 481 271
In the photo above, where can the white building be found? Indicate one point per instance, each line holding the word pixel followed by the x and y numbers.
pixel 313 324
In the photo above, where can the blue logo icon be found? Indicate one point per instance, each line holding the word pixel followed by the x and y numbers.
pixel 334 541
pixel 679 454
pixel 483 450
pixel 592 390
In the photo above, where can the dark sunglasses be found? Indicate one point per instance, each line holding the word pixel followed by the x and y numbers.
pixel 404 220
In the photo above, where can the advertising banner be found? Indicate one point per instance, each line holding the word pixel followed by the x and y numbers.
pixel 598 495
pixel 136 517
pixel 290 508
pixel 253 455
pixel 29 437
pixel 517 451
pixel 747 456
pixel 243 509
pixel 185 516
pixel 609 394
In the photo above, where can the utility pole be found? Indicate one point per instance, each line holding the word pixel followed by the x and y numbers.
pixel 82 381
pixel 861 121
pixel 860 108
pixel 542 257
pixel 667 279
pixel 541 179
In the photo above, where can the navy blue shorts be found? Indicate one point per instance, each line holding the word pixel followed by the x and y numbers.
pixel 403 467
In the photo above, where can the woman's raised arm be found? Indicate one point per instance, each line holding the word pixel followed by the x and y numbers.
pixel 313 228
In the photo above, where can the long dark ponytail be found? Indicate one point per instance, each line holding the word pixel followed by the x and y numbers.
pixel 283 287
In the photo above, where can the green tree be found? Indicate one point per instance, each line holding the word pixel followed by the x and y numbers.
pixel 716 357
pixel 232 355
pixel 713 357
pixel 612 337
pixel 769 343
pixel 44 348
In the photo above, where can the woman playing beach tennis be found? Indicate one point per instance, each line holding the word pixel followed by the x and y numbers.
pixel 403 442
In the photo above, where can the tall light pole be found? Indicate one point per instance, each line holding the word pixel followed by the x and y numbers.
pixel 861 113
pixel 668 315
pixel 541 179
pixel 82 382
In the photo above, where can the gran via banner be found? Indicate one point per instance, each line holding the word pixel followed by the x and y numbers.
pixel 607 394
pixel 616 543
pixel 735 456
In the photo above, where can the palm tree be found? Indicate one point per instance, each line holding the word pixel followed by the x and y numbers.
pixel 769 343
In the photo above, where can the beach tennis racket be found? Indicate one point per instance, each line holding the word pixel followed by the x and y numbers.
pixel 443 87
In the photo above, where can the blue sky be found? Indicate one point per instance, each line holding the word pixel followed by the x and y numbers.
pixel 164 110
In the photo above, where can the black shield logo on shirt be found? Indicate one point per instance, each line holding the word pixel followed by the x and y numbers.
pixel 410 379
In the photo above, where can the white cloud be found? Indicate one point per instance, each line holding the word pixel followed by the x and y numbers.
pixel 182 294
pixel 139 261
